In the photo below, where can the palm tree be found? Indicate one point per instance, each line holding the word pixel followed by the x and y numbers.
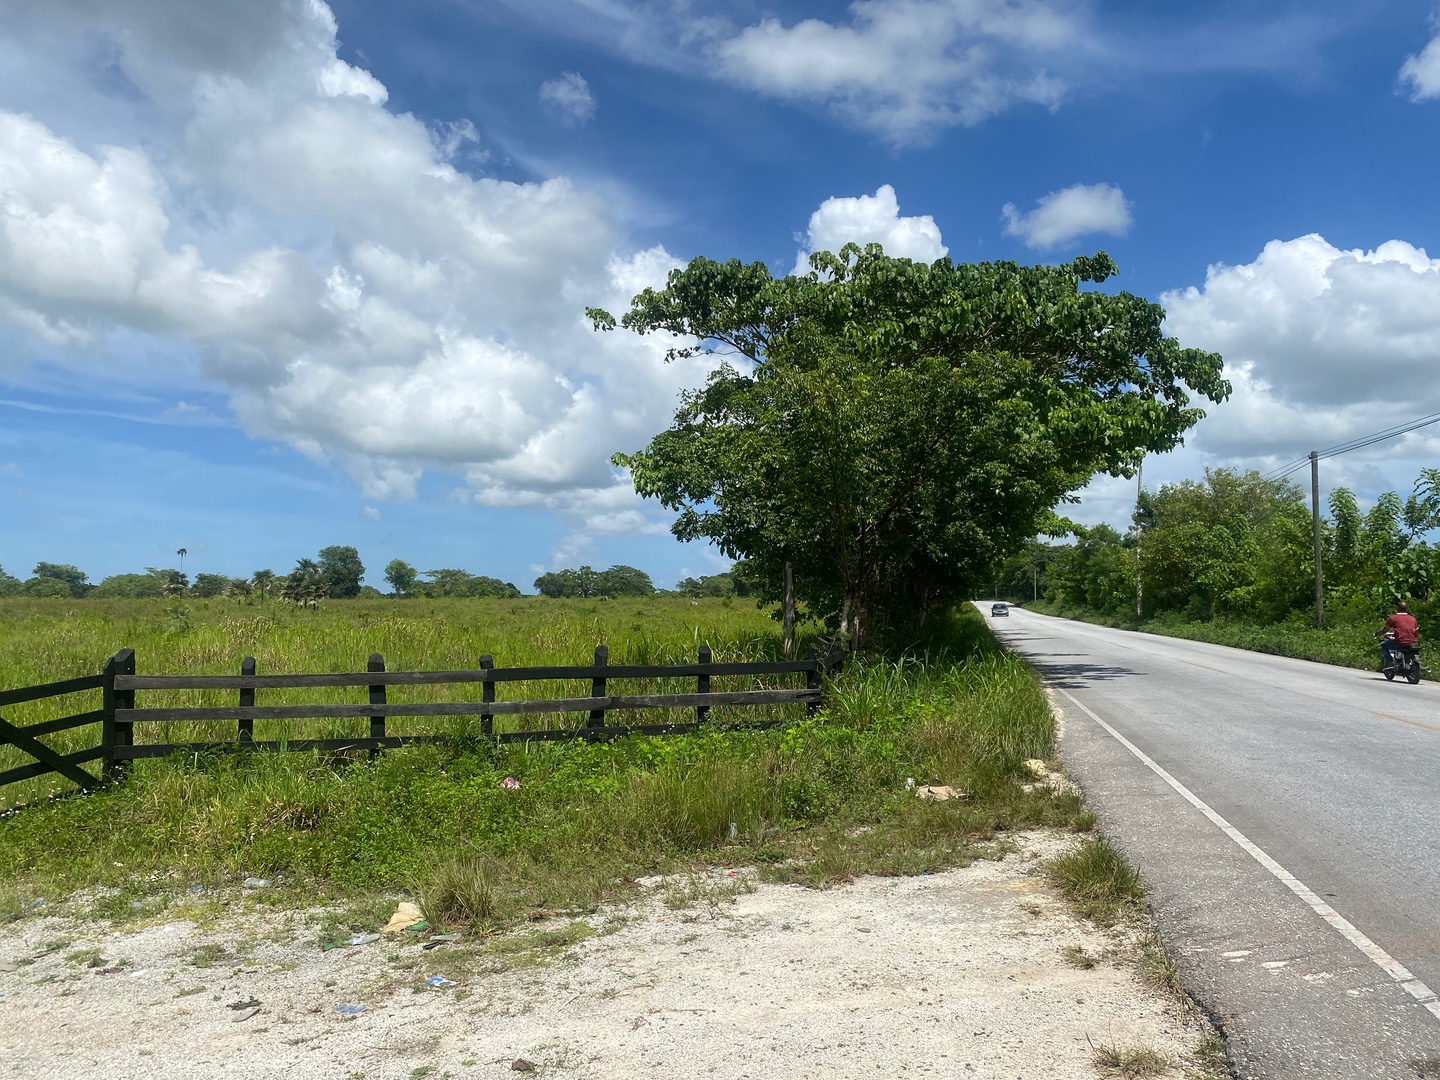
pixel 182 553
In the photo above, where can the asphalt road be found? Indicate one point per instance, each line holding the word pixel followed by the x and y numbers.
pixel 1316 946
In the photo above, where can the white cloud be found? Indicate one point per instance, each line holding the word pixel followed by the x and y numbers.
pixel 370 513
pixel 1072 212
pixel 870 219
pixel 1422 72
pixel 907 68
pixel 1322 345
pixel 568 97
pixel 361 297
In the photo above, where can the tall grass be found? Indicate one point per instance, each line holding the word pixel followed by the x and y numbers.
pixel 819 799
pixel 47 640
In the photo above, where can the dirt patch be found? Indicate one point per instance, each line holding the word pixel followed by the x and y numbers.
pixel 969 973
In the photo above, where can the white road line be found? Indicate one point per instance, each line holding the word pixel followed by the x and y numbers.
pixel 1383 960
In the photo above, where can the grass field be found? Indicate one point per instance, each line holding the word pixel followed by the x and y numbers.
pixel 821 799
pixel 47 640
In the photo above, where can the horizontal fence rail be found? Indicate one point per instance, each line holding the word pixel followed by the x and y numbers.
pixel 119 714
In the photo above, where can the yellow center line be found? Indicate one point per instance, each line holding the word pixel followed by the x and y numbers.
pixel 1207 667
pixel 1412 723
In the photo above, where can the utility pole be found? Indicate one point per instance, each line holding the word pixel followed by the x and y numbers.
pixel 1139 585
pixel 1315 528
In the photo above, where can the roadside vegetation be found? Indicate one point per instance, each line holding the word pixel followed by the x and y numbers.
pixel 1229 560
pixel 819 801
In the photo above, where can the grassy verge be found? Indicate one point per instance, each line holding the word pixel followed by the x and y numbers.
pixel 819 801
pixel 1347 645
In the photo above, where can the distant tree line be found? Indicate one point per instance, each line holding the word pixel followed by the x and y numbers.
pixel 1240 546
pixel 337 571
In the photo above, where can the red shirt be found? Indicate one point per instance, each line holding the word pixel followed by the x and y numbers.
pixel 1407 630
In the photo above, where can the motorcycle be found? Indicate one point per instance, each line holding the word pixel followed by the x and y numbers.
pixel 1405 660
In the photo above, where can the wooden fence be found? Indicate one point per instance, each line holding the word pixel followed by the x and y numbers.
pixel 119 715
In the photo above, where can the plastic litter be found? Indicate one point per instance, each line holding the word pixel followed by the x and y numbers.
pixel 240 1018
pixel 510 783
pixel 417 928
pixel 256 883
pixel 406 915
pixel 440 939
pixel 363 939
pixel 939 793
pixel 909 783
pixel 345 1008
pixel 439 982
pixel 732 830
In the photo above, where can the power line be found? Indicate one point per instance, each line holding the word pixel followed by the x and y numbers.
pixel 1354 444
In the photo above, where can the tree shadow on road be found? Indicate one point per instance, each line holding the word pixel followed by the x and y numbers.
pixel 1075 675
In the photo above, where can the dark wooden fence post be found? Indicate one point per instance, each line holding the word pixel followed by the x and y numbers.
pixel 702 686
pixel 116 732
pixel 597 686
pixel 247 699
pixel 812 679
pixel 487 695
pixel 787 641
pixel 377 697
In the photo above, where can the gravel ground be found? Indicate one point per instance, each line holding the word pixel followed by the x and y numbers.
pixel 961 974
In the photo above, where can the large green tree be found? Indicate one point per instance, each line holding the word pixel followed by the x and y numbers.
pixel 893 429
pixel 341 569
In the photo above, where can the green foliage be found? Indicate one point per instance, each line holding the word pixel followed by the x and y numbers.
pixel 147 586
pixel 341 571
pixel 208 585
pixel 9 586
pixel 72 577
pixel 401 576
pixel 895 428
pixel 618 580
pixel 444 583
pixel 45 587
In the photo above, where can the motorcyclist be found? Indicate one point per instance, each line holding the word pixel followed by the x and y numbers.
pixel 1400 631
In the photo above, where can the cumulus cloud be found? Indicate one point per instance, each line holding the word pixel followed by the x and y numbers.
pixel 370 513
pixel 568 98
pixel 907 68
pixel 870 219
pixel 1072 212
pixel 1322 344
pixel 1421 72
pixel 362 297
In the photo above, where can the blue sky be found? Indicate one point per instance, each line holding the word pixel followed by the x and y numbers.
pixel 276 275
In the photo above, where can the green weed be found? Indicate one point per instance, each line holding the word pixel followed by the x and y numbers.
pixel 1098 880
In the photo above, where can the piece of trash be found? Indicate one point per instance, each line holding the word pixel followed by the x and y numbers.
pixel 509 783
pixel 240 1018
pixel 939 793
pixel 137 974
pixel 406 914
pixel 255 883
pixel 863 929
pixel 1036 768
pixel 441 939
pixel 523 1065
pixel 196 890
pixel 909 783
pixel 248 1003
pixel 732 830
pixel 417 928
pixel 136 904
pixel 347 1009
pixel 363 939
pixel 439 982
